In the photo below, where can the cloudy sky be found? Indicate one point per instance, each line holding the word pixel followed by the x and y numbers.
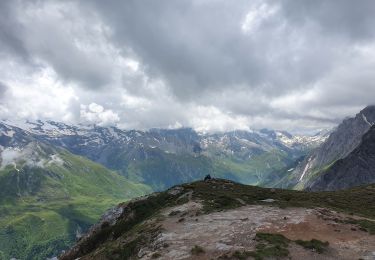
pixel 209 64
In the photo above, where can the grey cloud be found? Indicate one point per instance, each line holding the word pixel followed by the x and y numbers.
pixel 353 19
pixel 199 51
pixel 3 89
pixel 199 46
pixel 192 46
pixel 9 31
pixel 44 39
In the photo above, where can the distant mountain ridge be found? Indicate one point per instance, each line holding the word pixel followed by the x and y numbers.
pixel 185 136
pixel 165 157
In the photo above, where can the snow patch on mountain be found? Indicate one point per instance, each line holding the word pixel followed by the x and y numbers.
pixel 308 165
pixel 366 120
pixel 294 140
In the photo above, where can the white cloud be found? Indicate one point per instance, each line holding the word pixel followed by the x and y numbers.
pixel 95 108
pixel 134 102
pixel 206 119
pixel 257 15
pixel 38 95
pixel 132 64
pixel 96 114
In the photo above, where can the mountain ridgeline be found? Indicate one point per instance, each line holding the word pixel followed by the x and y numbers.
pixel 357 168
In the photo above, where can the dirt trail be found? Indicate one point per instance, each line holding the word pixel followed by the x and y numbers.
pixel 223 232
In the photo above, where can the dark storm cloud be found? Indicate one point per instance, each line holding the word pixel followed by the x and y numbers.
pixel 43 38
pixel 198 45
pixel 353 19
pixel 194 46
pixel 9 31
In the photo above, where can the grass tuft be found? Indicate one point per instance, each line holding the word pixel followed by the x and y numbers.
pixel 197 250
pixel 155 255
pixel 274 239
pixel 313 244
pixel 269 246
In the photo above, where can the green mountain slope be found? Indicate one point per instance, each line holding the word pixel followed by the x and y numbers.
pixel 48 196
pixel 162 170
pixel 252 171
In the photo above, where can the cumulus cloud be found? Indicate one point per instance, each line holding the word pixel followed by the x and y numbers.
pixel 212 65
pixel 94 113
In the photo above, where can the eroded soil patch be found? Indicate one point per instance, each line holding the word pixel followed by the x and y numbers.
pixel 224 233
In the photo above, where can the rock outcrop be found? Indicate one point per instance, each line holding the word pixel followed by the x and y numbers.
pixel 358 168
pixel 341 142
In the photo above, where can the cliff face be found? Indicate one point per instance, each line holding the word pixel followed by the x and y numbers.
pixel 340 143
pixel 346 138
pixel 358 168
pixel 219 219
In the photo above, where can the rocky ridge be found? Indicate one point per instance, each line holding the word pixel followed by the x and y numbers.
pixel 340 143
pixel 357 168
pixel 220 219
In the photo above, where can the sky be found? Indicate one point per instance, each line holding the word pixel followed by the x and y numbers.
pixel 213 65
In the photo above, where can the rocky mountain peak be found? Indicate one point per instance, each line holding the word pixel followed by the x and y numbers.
pixel 368 114
pixel 342 141
pixel 353 170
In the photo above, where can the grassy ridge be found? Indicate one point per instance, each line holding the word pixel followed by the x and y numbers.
pixel 122 240
pixel 42 208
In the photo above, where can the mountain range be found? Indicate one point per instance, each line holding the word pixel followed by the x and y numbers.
pixel 164 157
pixel 56 179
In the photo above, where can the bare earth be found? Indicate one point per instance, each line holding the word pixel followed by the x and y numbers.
pixel 224 232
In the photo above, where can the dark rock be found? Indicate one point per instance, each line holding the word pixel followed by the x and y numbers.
pixel 341 142
pixel 358 168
